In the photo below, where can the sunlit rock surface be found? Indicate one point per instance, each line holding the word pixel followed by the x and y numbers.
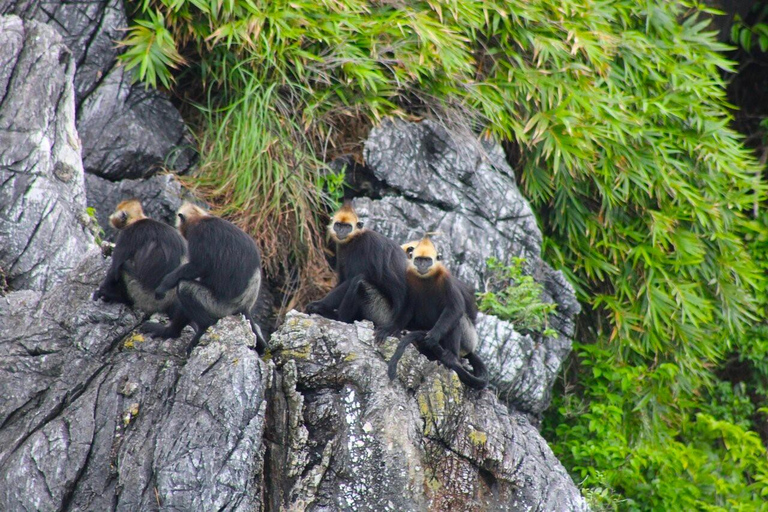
pixel 94 416
pixel 127 131
pixel 43 225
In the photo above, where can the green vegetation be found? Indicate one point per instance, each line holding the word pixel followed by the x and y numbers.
pixel 518 298
pixel 643 191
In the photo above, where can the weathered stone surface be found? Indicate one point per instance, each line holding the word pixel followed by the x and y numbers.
pixel 522 367
pixel 127 131
pixel 95 417
pixel 161 196
pixel 42 193
pixel 352 440
pixel 463 188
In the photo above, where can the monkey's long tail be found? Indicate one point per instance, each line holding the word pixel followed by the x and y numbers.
pixel 411 337
pixel 478 379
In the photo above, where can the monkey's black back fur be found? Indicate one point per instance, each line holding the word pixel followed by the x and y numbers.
pixel 379 260
pixel 146 250
pixel 157 250
pixel 226 257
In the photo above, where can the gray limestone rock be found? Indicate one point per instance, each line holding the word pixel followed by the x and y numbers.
pixel 127 131
pixel 458 185
pixel 42 192
pixel 131 132
pixel 353 440
pixel 93 416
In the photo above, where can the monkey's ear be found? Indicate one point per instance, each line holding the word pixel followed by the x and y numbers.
pixel 360 225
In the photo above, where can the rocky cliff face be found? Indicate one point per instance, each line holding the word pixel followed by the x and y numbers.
pixel 42 192
pixel 93 416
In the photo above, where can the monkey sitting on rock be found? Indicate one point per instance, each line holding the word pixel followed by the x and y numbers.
pixel 221 278
pixel 371 276
pixel 441 313
pixel 146 250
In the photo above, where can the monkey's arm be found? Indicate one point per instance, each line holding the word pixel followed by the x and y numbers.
pixel 188 271
pixel 109 290
pixel 449 318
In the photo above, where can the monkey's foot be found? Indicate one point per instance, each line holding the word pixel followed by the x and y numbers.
pixel 157 330
pixel 318 308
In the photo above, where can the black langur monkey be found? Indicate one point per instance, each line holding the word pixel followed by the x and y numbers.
pixel 222 277
pixel 146 250
pixel 441 313
pixel 371 276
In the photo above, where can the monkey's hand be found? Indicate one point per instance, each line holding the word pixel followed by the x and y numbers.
pixel 318 308
pixel 160 292
pixel 432 339
pixel 98 294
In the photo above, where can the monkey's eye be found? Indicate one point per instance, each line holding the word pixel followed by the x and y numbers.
pixel 123 215
pixel 181 217
pixel 409 252
pixel 439 256
pixel 360 225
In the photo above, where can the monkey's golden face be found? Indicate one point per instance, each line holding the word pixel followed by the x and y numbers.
pixel 423 258
pixel 345 224
pixel 126 213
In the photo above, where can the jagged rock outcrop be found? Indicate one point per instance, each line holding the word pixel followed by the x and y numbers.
pixel 42 194
pixel 433 179
pixel 353 440
pixel 95 417
pixel 126 130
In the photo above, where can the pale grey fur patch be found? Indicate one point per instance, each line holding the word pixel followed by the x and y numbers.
pixel 218 308
pixel 376 307
pixel 468 336
pixel 145 299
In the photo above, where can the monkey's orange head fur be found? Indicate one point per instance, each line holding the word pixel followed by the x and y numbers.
pixel 189 214
pixel 126 213
pixel 345 224
pixel 423 259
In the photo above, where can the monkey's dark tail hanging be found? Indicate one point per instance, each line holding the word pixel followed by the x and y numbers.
pixel 409 338
pixel 478 379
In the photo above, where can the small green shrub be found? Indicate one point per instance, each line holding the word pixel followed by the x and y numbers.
pixel 518 298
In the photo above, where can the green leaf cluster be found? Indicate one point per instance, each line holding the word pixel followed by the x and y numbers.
pixel 512 295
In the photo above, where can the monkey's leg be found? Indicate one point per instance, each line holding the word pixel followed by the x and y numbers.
pixel 450 346
pixel 350 308
pixel 197 301
pixel 113 292
pixel 327 305
pixel 173 330
pixel 261 342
